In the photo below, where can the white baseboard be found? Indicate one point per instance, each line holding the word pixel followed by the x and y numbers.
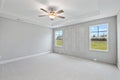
pixel 21 58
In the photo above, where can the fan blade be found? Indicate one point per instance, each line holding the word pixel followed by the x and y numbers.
pixel 60 11
pixel 44 10
pixel 61 17
pixel 42 15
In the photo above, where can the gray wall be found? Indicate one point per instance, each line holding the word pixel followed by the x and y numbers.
pixel 76 41
pixel 19 39
pixel 118 39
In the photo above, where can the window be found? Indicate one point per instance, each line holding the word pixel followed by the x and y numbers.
pixel 58 38
pixel 99 37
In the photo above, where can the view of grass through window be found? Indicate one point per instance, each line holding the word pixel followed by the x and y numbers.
pixel 58 38
pixel 98 37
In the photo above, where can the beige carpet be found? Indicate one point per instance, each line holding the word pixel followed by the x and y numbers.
pixel 58 67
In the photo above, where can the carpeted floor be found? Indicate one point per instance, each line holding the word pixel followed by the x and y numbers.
pixel 58 67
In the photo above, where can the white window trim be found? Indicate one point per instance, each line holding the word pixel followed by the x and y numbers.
pixel 106 37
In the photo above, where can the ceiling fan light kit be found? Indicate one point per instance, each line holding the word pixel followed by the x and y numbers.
pixel 52 15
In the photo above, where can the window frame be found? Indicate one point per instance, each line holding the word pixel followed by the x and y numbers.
pixel 106 38
pixel 56 40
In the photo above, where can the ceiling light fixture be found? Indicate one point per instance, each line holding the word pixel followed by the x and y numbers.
pixel 52 15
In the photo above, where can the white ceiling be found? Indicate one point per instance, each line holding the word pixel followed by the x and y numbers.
pixel 75 11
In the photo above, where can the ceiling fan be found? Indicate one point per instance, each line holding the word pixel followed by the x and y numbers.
pixel 52 14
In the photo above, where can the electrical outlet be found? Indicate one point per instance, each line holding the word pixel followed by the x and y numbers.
pixel 95 59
